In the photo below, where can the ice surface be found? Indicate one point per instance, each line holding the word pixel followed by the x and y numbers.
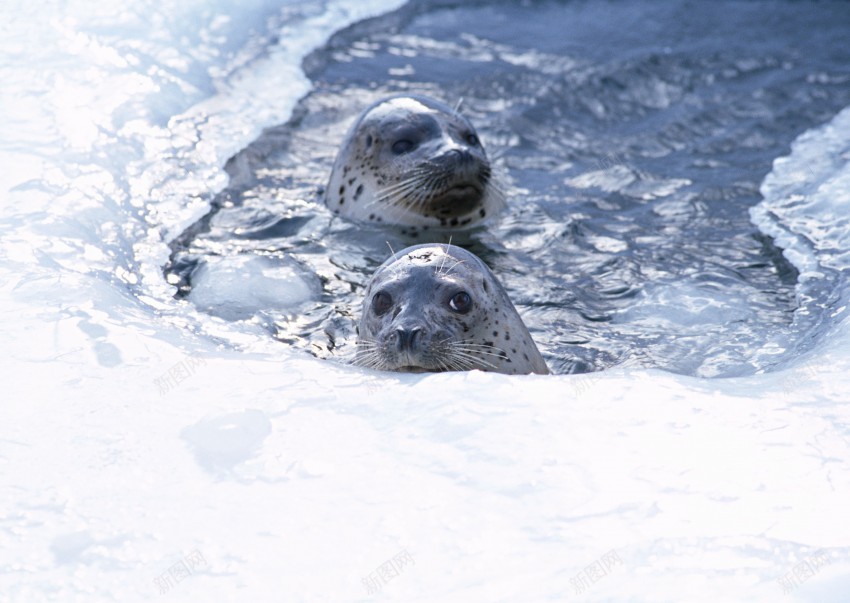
pixel 236 288
pixel 149 452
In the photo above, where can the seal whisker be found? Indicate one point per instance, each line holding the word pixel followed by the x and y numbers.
pixel 399 193
pixel 373 361
pixel 412 175
pixel 500 353
pixel 439 269
pixel 469 344
pixel 397 190
pixel 470 357
pixel 453 362
pixel 452 267
pixel 391 250
pixel 495 195
pixel 471 360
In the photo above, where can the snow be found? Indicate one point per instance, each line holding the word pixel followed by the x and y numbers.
pixel 151 452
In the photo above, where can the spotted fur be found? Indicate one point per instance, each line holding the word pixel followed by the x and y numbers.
pixel 415 319
pixel 414 162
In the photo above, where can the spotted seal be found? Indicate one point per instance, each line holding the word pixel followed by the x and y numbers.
pixel 436 307
pixel 415 162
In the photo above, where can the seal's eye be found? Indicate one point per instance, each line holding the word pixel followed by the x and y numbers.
pixel 400 147
pixel 472 140
pixel 461 302
pixel 381 302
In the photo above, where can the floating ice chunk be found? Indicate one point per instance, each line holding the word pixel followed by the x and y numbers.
pixel 236 288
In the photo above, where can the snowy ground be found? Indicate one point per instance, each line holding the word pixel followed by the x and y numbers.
pixel 144 457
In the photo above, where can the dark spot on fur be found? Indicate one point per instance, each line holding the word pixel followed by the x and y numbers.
pixel 341 191
pixel 453 222
pixel 358 192
pixel 481 212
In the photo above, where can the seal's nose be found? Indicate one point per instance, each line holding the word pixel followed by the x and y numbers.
pixel 406 339
pixel 459 156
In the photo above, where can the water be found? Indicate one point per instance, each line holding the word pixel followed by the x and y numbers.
pixel 150 449
pixel 628 240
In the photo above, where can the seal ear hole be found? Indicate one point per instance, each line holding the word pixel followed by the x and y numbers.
pixel 381 303
pixel 461 302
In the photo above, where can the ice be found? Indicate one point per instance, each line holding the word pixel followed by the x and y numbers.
pixel 236 288
pixel 808 196
pixel 149 451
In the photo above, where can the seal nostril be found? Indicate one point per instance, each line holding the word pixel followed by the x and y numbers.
pixel 407 338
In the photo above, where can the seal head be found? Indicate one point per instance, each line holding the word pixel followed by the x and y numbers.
pixel 435 307
pixel 416 162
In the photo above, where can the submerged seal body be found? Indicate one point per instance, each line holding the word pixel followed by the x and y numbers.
pixel 438 308
pixel 415 162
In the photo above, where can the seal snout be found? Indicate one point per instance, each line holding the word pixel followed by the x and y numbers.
pixel 461 157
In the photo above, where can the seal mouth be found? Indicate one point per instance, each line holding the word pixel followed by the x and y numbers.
pixel 416 369
pixel 457 200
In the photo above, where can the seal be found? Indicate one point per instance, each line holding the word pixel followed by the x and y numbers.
pixel 413 161
pixel 436 307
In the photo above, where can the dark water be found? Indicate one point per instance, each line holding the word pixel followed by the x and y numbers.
pixel 633 135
